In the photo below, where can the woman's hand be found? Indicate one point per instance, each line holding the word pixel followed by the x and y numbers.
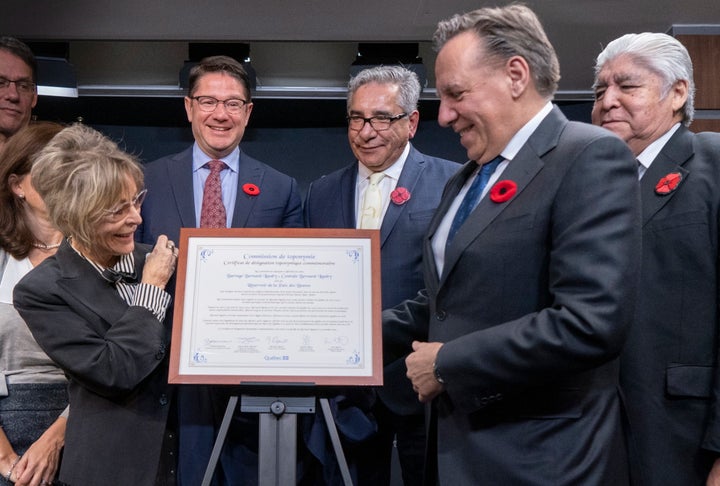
pixel 160 263
pixel 39 464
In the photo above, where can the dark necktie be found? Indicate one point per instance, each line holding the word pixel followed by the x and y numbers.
pixel 472 197
pixel 115 276
pixel 212 213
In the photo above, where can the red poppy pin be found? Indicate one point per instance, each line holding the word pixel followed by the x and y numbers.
pixel 251 189
pixel 503 191
pixel 400 196
pixel 668 184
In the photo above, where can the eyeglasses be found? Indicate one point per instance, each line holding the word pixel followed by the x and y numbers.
pixel 22 85
pixel 121 211
pixel 208 104
pixel 378 123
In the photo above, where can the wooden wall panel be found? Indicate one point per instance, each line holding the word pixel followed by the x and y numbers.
pixel 704 51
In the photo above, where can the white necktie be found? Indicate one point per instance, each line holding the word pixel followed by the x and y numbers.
pixel 372 203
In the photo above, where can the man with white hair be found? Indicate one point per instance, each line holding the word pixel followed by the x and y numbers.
pixel 669 368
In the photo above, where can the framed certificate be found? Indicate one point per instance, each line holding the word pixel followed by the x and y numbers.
pixel 267 306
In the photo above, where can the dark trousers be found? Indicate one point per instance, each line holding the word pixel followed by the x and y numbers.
pixel 374 457
pixel 200 413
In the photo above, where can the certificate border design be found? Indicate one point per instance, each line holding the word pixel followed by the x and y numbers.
pixel 241 238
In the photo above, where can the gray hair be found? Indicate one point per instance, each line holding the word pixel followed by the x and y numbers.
pixel 79 174
pixel 513 30
pixel 660 53
pixel 406 81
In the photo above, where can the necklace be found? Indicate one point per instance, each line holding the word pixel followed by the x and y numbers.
pixel 44 246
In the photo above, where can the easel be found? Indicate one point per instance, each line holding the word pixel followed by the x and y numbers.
pixel 278 437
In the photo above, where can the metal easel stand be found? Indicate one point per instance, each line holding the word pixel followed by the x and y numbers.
pixel 277 461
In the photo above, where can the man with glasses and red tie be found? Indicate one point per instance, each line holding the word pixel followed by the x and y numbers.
pixel 18 93
pixel 396 189
pixel 214 184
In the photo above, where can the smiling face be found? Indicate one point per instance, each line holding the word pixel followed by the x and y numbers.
pixel 629 101
pixel 115 233
pixel 15 106
pixel 476 97
pixel 378 150
pixel 218 132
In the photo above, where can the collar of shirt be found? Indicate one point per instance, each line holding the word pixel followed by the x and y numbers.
pixel 200 158
pixel 393 171
pixel 509 152
pixel 126 263
pixel 647 156
pixel 387 185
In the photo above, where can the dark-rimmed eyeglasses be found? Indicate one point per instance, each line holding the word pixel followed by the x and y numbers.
pixel 378 122
pixel 121 211
pixel 208 104
pixel 23 86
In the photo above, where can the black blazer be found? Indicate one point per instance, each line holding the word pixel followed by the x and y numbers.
pixel 669 368
pixel 115 358
pixel 533 307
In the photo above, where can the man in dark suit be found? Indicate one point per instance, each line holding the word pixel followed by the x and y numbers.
pixel 669 367
pixel 248 194
pixel 382 119
pixel 528 300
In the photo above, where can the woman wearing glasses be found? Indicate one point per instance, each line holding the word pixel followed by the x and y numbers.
pixel 99 309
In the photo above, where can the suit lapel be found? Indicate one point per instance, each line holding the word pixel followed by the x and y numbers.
pixel 678 148
pixel 449 194
pixel 180 175
pixel 413 168
pixel 249 171
pixel 347 187
pixel 85 285
pixel 521 170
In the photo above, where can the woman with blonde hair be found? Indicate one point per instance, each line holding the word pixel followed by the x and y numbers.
pixel 100 310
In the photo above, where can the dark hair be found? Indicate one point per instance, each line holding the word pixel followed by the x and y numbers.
pixel 21 50
pixel 18 157
pixel 219 64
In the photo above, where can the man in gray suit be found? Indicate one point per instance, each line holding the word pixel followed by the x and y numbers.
pixel 669 368
pixel 529 280
pixel 382 119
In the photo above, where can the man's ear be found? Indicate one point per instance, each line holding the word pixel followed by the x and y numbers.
pixel 679 93
pixel 518 73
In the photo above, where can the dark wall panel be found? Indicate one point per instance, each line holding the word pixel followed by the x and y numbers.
pixel 302 138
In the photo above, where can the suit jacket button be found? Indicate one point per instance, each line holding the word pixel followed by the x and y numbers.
pixel 440 315
pixel 163 399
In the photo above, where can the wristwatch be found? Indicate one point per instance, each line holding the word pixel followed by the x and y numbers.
pixel 437 374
